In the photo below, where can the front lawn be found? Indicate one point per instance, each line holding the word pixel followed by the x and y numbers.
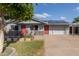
pixel 34 48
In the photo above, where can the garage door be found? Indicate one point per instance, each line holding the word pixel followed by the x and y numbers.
pixel 57 30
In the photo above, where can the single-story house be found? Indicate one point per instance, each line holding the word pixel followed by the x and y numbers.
pixel 50 27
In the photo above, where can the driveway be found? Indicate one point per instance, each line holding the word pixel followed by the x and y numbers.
pixel 65 45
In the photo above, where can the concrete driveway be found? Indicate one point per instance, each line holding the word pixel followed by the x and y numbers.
pixel 61 45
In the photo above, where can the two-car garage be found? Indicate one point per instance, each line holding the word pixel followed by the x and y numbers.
pixel 57 30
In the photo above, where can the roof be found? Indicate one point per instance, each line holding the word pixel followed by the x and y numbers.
pixel 57 22
pixel 49 22
pixel 75 24
pixel 29 22
pixel 54 22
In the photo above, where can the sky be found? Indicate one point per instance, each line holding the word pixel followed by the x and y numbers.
pixel 57 11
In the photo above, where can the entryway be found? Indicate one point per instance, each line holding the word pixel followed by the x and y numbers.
pixel 46 29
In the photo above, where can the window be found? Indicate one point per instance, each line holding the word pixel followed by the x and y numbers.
pixel 31 27
pixel 16 27
pixel 36 27
pixel 70 31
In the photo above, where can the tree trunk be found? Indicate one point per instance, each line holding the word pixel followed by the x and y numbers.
pixel 1 34
pixel 1 40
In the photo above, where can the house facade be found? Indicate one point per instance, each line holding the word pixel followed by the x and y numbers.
pixel 51 27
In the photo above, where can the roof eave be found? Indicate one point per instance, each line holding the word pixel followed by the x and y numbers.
pixel 59 24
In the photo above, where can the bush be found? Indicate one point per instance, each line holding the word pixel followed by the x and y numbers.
pixel 27 36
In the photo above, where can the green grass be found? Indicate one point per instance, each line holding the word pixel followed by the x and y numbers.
pixel 34 48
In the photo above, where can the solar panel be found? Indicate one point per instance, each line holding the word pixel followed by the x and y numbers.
pixel 57 21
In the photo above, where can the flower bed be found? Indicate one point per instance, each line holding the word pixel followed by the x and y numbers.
pixel 27 38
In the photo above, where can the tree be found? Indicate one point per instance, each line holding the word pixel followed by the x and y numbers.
pixel 16 12
pixel 76 20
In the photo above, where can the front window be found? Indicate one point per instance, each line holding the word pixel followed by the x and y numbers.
pixel 34 27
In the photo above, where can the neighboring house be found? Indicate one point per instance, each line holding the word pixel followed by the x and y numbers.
pixel 50 27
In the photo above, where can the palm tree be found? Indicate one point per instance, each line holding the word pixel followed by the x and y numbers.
pixel 76 20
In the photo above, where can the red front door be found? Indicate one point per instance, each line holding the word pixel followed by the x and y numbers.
pixel 23 29
pixel 46 29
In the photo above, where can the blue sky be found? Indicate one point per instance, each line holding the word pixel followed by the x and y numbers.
pixel 57 11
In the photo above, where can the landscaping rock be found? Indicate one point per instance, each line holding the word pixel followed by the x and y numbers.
pixel 9 51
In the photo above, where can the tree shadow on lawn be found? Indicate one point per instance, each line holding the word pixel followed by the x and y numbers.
pixel 7 43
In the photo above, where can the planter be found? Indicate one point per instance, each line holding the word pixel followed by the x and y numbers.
pixel 25 39
pixel 28 39
pixel 21 39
